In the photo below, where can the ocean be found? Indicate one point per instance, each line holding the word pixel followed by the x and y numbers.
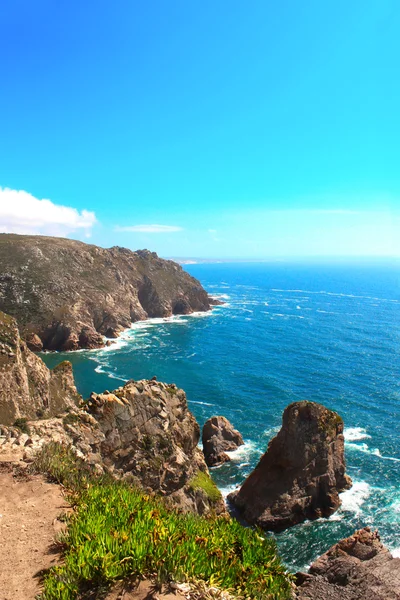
pixel 287 332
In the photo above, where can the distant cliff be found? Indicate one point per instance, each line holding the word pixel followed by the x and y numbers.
pixel 67 295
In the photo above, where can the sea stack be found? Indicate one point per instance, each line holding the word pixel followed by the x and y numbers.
pixel 301 474
pixel 219 436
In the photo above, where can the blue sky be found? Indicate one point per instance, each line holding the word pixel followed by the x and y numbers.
pixel 209 129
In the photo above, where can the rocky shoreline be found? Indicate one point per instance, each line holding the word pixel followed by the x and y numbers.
pixel 144 433
pixel 67 295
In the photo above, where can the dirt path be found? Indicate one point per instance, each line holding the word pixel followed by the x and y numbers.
pixel 29 507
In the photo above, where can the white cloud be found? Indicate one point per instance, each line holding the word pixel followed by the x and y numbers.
pixel 20 212
pixel 149 228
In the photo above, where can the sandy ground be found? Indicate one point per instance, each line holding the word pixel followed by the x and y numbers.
pixel 29 524
pixel 29 511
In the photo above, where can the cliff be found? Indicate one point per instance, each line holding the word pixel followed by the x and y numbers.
pixel 28 389
pixel 302 472
pixel 142 432
pixel 67 295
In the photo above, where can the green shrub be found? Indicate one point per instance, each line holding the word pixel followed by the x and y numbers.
pixel 22 424
pixel 202 481
pixel 117 531
pixel 71 418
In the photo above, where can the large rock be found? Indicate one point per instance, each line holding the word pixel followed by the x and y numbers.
pixel 219 436
pixel 28 389
pixel 302 472
pixel 357 568
pixel 67 295
pixel 143 431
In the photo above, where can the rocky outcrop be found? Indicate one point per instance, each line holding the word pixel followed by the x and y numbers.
pixel 301 474
pixel 67 295
pixel 219 437
pixel 28 389
pixel 357 568
pixel 143 431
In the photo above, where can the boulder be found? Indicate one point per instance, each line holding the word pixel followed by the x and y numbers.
pixel 219 437
pixel 358 567
pixel 301 474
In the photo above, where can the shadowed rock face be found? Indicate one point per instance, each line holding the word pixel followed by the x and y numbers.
pixel 302 472
pixel 357 568
pixel 219 436
pixel 67 295
pixel 27 387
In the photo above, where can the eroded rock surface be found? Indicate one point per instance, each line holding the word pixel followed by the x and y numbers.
pixel 27 387
pixel 357 568
pixel 143 431
pixel 67 295
pixel 302 472
pixel 219 436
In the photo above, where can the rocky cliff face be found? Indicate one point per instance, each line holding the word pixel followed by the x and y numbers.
pixel 357 568
pixel 219 437
pixel 302 472
pixel 67 295
pixel 142 431
pixel 27 387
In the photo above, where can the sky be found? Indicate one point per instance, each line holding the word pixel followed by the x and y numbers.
pixel 225 129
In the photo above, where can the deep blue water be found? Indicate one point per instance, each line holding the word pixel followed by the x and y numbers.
pixel 287 332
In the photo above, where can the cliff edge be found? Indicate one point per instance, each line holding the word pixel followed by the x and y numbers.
pixel 28 389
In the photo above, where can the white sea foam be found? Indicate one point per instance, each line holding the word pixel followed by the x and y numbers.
pixel 354 498
pixel 271 431
pixel 324 293
pixel 396 552
pixel 226 490
pixel 242 454
pixel 396 506
pixel 220 296
pixel 202 403
pixel 372 451
pixel 362 448
pixel 112 376
pixel 353 434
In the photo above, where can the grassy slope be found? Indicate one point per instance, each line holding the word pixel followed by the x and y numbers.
pixel 117 531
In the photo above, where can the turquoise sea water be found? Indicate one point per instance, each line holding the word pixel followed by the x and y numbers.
pixel 287 332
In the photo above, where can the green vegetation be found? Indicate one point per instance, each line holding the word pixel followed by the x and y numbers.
pixel 202 481
pixel 71 418
pixel 117 531
pixel 22 424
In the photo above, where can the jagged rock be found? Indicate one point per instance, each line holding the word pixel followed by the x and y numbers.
pixel 357 568
pixel 27 387
pixel 150 434
pixel 302 472
pixel 34 342
pixel 67 295
pixel 219 437
pixel 143 431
